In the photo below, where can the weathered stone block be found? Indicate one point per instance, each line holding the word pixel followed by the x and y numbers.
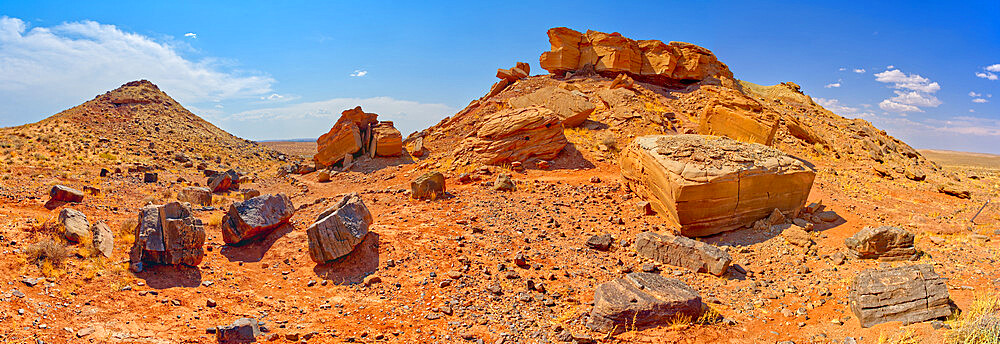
pixel 709 185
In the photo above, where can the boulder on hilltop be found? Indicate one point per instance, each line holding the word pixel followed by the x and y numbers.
pixel 515 135
pixel 708 185
pixel 572 107
pixel 646 60
pixel 167 234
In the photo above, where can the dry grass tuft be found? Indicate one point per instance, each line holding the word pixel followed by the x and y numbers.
pixel 980 323
pixel 49 252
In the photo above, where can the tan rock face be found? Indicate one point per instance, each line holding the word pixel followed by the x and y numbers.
pixel 514 135
pixel 343 138
pixel 735 124
pixel 708 185
pixel 386 140
pixel 648 60
pixel 573 108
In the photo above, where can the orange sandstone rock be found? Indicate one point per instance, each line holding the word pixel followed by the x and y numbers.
pixel 708 185
pixel 514 135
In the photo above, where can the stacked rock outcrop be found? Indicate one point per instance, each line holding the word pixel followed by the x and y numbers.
pixel 357 131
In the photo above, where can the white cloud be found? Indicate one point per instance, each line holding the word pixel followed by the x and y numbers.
pixel 915 98
pixel 836 107
pixel 859 70
pixel 889 105
pixel 993 68
pixel 842 69
pixel 980 100
pixel 890 67
pixel 69 62
pixel 359 73
pixel 911 82
pixel 191 35
pixel 974 94
pixel 833 85
pixel 986 75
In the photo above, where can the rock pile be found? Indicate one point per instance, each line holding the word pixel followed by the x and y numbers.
pixel 167 234
pixel 645 60
pixel 514 135
pixel 357 131
pixel 709 185
pixel 642 300
pixel 909 294
pixel 255 218
pixel 339 229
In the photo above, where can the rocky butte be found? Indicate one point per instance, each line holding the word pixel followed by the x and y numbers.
pixel 634 191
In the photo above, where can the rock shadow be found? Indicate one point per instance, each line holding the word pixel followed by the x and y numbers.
pixel 570 158
pixel 366 164
pixel 159 276
pixel 254 250
pixel 53 204
pixel 742 237
pixel 353 268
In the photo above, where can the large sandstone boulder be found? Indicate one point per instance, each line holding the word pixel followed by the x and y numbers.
pixel 642 300
pixel 514 135
pixel 683 252
pixel 736 124
pixel 219 182
pixel 428 185
pixel 65 194
pixel 339 229
pixel 349 135
pixel 883 243
pixel 255 217
pixel 909 294
pixel 167 234
pixel 646 60
pixel 572 107
pixel 74 223
pixel 386 140
pixel 195 195
pixel 709 185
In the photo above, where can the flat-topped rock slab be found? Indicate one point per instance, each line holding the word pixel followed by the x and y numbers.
pixel 710 184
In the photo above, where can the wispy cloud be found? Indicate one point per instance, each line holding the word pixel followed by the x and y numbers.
pixel 836 107
pixel 987 75
pixel 974 94
pixel 859 70
pixel 191 35
pixel 993 67
pixel 980 100
pixel 842 69
pixel 359 73
pixel 833 85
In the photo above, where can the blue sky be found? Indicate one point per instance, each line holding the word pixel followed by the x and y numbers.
pixel 272 70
